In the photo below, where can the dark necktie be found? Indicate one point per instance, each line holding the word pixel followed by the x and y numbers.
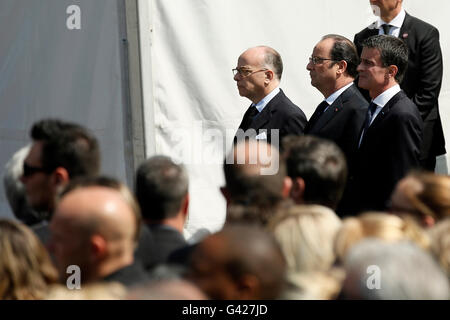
pixel 249 115
pixel 370 112
pixel 386 28
pixel 319 111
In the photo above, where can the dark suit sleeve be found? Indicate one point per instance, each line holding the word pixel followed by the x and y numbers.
pixel 404 146
pixel 295 124
pixel 430 75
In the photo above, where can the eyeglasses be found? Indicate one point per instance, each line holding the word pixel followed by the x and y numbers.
pixel 245 72
pixel 317 60
pixel 30 170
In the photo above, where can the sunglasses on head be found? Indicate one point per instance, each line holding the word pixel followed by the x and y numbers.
pixel 30 170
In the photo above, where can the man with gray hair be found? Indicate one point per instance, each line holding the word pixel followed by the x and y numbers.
pixel 15 191
pixel 162 193
pixel 257 75
pixel 377 270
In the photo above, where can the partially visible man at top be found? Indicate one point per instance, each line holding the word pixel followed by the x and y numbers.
pixel 423 78
pixel 257 75
pixel 163 195
pixel 389 144
pixel 60 152
pixel 340 117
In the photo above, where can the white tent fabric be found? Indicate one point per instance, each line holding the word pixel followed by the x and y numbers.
pixel 49 70
pixel 188 51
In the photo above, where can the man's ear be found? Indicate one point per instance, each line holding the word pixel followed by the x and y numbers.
pixel 298 190
pixel 287 186
pixel 342 66
pixel 392 71
pixel 98 247
pixel 269 76
pixel 185 205
pixel 61 176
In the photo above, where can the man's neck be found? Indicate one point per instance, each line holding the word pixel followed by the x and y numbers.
pixel 375 93
pixel 176 222
pixel 272 86
pixel 340 83
pixel 388 16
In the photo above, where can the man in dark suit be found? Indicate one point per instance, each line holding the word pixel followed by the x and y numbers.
pixel 271 115
pixel 341 115
pixel 389 144
pixel 162 193
pixel 423 78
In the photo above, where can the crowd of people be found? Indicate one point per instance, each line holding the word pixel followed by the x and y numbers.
pixel 343 206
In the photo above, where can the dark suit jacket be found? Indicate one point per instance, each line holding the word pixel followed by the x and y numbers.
pixel 156 243
pixel 423 78
pixel 342 122
pixel 280 113
pixel 129 276
pixel 389 149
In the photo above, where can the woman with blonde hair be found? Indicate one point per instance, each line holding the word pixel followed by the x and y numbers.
pixel 423 195
pixel 306 236
pixel 26 270
pixel 380 225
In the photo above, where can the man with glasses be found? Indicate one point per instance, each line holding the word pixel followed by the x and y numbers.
pixel 60 152
pixel 258 76
pixel 423 78
pixel 340 117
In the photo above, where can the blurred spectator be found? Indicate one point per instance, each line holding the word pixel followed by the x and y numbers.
pixel 14 189
pixel 424 195
pixel 318 170
pixel 167 289
pixel 92 291
pixel 238 263
pixel 162 192
pixel 95 227
pixel 440 243
pixel 60 152
pixel 377 270
pixel 26 270
pixel 306 235
pixel 255 177
pixel 383 226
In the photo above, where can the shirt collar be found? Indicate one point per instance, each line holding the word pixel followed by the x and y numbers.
pixel 396 22
pixel 387 95
pixel 337 93
pixel 262 104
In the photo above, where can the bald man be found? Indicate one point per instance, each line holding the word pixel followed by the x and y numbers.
pixel 238 263
pixel 95 227
pixel 271 115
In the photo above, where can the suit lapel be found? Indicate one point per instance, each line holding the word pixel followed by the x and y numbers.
pixel 266 114
pixel 385 111
pixel 334 108
pixel 406 28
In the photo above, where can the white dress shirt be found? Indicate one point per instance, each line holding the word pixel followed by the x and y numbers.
pixel 396 24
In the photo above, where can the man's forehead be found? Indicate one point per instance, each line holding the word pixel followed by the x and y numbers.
pixel 370 53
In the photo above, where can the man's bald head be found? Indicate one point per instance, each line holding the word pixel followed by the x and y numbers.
pixel 94 227
pixel 239 262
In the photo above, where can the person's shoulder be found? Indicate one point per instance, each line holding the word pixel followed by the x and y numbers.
pixel 286 106
pixel 418 23
pixel 353 98
pixel 365 31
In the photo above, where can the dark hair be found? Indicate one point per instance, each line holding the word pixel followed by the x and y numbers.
pixel 344 49
pixel 393 51
pixel 161 186
pixel 67 145
pixel 274 61
pixel 321 164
